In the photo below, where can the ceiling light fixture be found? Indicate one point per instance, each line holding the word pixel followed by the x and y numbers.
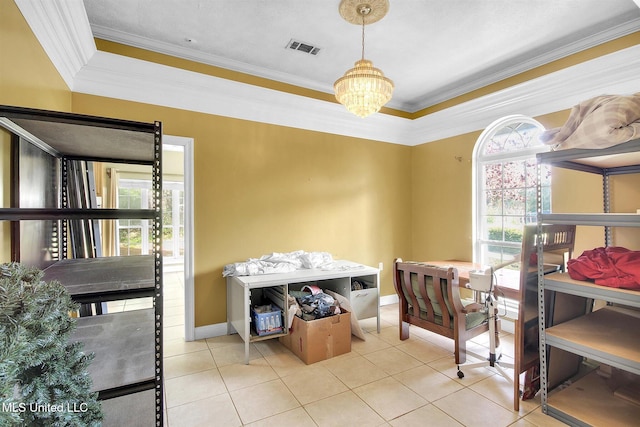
pixel 363 89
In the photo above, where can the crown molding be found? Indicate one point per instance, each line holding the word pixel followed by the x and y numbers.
pixel 615 73
pixel 189 54
pixel 127 78
pixel 121 77
pixel 62 28
pixel 526 62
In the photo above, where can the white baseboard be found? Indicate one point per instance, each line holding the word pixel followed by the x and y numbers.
pixel 508 312
pixel 507 325
pixel 388 299
pixel 210 331
pixel 219 329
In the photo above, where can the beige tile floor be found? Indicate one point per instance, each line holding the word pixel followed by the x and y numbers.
pixel 382 382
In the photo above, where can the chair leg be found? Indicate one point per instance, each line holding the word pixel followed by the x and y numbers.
pixel 404 330
pixel 460 351
pixel 516 391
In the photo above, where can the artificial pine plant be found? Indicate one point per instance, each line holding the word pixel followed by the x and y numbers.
pixel 43 377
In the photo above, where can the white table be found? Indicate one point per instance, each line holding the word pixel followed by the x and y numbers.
pixel 243 291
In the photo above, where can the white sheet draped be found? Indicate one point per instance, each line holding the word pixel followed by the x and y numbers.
pixel 278 262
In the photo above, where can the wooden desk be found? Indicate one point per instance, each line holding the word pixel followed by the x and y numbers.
pixel 464 267
pixel 507 280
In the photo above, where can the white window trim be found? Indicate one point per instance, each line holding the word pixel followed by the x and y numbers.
pixel 477 185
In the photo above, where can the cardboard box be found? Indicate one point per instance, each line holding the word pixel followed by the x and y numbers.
pixel 319 339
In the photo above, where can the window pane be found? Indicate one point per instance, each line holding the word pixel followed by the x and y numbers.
pixel 167 241
pixel 531 173
pixel 514 175
pixel 514 202
pixel 545 171
pixel 546 199
pixel 531 207
pixel 493 228
pixel 132 233
pixel 493 176
pixel 513 137
pixel 181 206
pixel 129 198
pixel 493 202
pixel 130 241
pixel 167 207
pixel 506 185
pixel 136 236
pixel 513 228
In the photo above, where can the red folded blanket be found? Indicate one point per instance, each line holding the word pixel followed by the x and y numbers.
pixel 612 266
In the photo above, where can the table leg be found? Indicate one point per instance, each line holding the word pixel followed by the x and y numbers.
pixel 247 324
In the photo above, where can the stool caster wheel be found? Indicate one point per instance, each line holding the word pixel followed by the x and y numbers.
pixel 460 374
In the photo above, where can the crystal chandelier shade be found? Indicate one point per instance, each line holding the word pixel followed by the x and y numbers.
pixel 363 89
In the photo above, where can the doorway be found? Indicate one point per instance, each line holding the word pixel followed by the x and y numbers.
pixel 177 240
pixel 132 188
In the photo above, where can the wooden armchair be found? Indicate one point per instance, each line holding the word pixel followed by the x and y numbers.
pixel 557 244
pixel 438 308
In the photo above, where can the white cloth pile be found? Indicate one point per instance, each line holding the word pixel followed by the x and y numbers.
pixel 600 122
pixel 277 262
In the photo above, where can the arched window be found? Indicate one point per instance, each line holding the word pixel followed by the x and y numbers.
pixel 504 187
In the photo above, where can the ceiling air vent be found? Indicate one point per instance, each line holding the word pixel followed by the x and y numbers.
pixel 303 47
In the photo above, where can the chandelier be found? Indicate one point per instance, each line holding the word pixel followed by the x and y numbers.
pixel 363 89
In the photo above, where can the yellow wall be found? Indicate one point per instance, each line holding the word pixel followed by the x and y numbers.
pixel 27 76
pixel 27 79
pixel 441 180
pixel 442 210
pixel 261 188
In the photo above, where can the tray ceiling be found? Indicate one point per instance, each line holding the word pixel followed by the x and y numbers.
pixel 432 50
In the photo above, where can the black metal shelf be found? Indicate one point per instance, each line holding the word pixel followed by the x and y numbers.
pixel 87 137
pixel 134 410
pixel 24 214
pixel 593 219
pixel 123 344
pixel 608 335
pixel 615 160
pixel 90 280
pixel 53 154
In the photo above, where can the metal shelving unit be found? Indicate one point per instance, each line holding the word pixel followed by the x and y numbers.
pixel 51 202
pixel 609 335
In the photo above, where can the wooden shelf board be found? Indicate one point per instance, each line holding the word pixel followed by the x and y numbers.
pixel 96 279
pixel 255 337
pixel 609 335
pixel 87 137
pixel 133 410
pixel 590 401
pixel 593 219
pixel 617 156
pixel 562 282
pixel 123 344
